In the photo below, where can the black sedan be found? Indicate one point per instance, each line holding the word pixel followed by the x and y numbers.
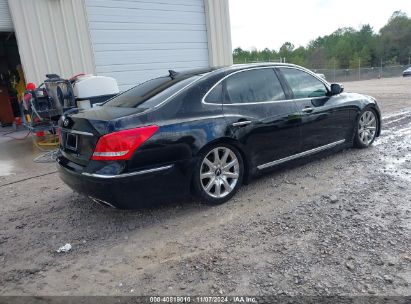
pixel 207 132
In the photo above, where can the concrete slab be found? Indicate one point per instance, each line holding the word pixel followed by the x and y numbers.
pixel 17 151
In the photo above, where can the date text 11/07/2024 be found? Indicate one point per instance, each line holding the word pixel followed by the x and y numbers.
pixel 204 299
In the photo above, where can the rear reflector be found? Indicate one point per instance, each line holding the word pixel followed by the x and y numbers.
pixel 122 144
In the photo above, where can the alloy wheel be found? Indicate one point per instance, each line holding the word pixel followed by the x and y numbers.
pixel 367 127
pixel 219 173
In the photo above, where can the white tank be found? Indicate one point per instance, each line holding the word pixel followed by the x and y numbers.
pixel 90 86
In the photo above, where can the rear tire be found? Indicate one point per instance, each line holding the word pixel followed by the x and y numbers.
pixel 218 174
pixel 366 129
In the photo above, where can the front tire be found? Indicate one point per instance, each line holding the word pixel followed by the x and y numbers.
pixel 366 129
pixel 218 174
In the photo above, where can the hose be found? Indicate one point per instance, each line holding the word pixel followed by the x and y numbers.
pixel 35 111
pixel 16 138
pixel 48 157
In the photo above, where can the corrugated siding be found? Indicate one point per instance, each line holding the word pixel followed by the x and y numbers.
pixel 6 25
pixel 134 40
pixel 219 32
pixel 53 38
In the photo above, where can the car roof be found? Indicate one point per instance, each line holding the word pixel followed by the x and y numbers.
pixel 259 64
pixel 235 67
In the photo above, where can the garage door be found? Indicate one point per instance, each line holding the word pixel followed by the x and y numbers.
pixel 6 25
pixel 139 39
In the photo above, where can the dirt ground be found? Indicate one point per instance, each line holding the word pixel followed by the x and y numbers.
pixel 336 225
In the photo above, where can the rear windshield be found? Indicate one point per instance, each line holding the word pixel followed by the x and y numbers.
pixel 150 93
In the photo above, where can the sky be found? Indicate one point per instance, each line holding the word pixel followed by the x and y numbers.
pixel 270 23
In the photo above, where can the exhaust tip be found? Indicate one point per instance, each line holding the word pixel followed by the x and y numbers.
pixel 101 202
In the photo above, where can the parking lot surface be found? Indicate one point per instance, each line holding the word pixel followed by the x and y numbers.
pixel 337 224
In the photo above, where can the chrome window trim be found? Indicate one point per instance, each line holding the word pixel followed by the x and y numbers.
pixel 302 154
pixel 77 132
pixel 326 84
pixel 255 103
pixel 268 102
pixel 265 102
pixel 142 172
pixel 323 81
pixel 310 98
pixel 240 103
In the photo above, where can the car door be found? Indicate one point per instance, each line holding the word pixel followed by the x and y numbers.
pixel 259 114
pixel 324 119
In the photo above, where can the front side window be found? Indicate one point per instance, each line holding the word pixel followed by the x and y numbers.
pixel 252 86
pixel 303 84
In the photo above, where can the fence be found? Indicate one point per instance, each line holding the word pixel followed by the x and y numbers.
pixel 344 75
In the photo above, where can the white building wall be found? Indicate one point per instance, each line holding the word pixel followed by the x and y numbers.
pixel 219 32
pixel 130 40
pixel 6 25
pixel 53 37
pixel 136 40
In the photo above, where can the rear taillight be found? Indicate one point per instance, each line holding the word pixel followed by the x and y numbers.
pixel 122 144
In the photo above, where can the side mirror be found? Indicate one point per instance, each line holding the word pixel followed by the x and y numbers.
pixel 336 89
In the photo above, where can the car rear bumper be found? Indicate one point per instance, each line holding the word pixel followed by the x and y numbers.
pixel 130 190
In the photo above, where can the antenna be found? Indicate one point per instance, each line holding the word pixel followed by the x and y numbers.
pixel 52 76
pixel 172 74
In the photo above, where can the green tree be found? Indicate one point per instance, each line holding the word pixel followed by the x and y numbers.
pixel 344 47
pixel 395 38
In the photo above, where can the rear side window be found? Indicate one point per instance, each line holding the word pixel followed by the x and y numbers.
pixel 253 86
pixel 215 95
pixel 150 93
pixel 303 84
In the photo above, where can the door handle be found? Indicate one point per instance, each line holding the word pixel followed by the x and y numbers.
pixel 241 123
pixel 307 110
